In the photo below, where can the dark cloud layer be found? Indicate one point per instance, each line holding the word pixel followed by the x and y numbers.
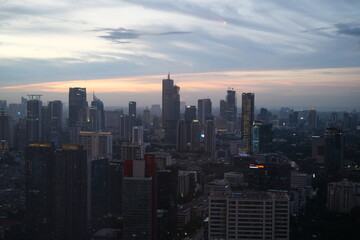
pixel 119 34
pixel 348 29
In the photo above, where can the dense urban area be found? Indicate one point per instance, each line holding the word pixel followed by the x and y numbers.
pixel 177 171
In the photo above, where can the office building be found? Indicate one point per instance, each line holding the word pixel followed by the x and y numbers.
pixel 100 200
pixel 55 109
pixel 181 136
pixel 146 117
pixel 137 135
pixel 97 144
pixel 34 119
pixel 210 137
pixel 170 109
pixel 77 106
pixel 312 118
pixel 139 198
pixel 195 135
pixel 249 215
pixel 116 173
pixel 333 149
pixel 247 120
pixel 97 115
pixel 56 193
pixel 343 196
pixel 261 137
pixel 125 128
pixel 204 110
pixel 70 193
pixel 131 150
pixel 4 126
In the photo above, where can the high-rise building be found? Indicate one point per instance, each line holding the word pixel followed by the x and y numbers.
pixel 247 120
pixel 204 110
pixel 181 137
pixel 249 215
pixel 261 137
pixel 55 109
pixel 131 150
pixel 195 135
pixel 343 196
pixel 231 111
pixel 70 191
pixel 34 120
pixel 4 126
pixel 170 109
pixel 139 198
pixel 210 138
pixel 137 134
pixel 333 149
pixel 312 118
pixel 97 144
pixel 77 106
pixel 39 186
pixel 97 114
pixel 55 192
pixel 116 173
pixel 132 113
pixel 3 105
pixel 190 113
pixel 125 128
pixel 99 188
pixel 146 117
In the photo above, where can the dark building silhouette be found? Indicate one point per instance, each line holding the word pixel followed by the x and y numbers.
pixel 261 137
pixel 247 120
pixel 333 149
pixel 99 187
pixel 170 109
pixel 70 186
pixel 55 110
pixel 55 192
pixel 116 172
pixel 34 119
pixel 4 126
pixel 139 198
pixel 39 191
pixel 210 138
pixel 181 136
pixel 204 110
pixel 195 135
pixel 228 108
pixel 97 115
pixel 77 106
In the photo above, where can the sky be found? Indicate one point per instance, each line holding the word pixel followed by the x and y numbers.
pixel 289 53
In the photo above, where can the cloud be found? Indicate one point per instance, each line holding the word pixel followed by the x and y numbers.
pixel 120 34
pixel 348 29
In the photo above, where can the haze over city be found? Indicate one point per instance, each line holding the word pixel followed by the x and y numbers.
pixel 304 54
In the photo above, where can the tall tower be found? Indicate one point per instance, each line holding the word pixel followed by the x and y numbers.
pixel 97 114
pixel 77 106
pixel 247 120
pixel 132 113
pixel 181 137
pixel 170 108
pixel 210 140
pixel 231 111
pixel 312 118
pixel 139 198
pixel 204 110
pixel 33 120
pixel 55 109
pixel 334 149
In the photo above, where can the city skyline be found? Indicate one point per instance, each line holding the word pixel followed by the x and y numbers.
pixel 305 54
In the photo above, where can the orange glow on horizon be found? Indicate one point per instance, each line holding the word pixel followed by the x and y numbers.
pixel 256 80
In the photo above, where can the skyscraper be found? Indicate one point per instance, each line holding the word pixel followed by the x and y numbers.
pixel 55 109
pixel 231 110
pixel 181 137
pixel 77 106
pixel 55 192
pixel 334 149
pixel 97 114
pixel 139 198
pixel 210 138
pixel 34 120
pixel 170 108
pixel 39 186
pixel 312 118
pixel 132 113
pixel 204 110
pixel 195 134
pixel 247 120
pixel 70 193
pixel 261 137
